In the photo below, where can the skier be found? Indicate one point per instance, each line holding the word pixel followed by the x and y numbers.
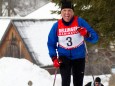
pixel 97 82
pixel 66 44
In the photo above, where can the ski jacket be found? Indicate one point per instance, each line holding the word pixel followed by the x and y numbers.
pixel 66 41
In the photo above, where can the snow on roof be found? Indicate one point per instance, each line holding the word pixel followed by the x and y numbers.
pixel 3 25
pixel 45 12
pixel 35 34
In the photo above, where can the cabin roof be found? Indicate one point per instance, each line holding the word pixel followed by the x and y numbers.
pixel 34 33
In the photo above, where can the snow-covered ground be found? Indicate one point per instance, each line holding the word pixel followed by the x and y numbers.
pixel 104 78
pixel 18 72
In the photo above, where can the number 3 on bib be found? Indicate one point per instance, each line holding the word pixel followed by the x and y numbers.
pixel 69 41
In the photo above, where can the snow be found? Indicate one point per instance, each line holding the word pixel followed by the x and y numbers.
pixel 45 12
pixel 18 72
pixel 3 25
pixel 113 70
pixel 38 41
pixel 35 34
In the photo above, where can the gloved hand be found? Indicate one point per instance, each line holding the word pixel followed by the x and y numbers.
pixel 82 31
pixel 55 62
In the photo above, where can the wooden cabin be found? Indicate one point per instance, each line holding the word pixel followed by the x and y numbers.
pixel 24 38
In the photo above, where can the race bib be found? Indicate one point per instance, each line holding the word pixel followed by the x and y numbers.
pixel 69 38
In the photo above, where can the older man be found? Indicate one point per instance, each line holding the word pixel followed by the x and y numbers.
pixel 66 44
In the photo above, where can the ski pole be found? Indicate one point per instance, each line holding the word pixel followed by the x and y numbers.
pixel 88 60
pixel 55 76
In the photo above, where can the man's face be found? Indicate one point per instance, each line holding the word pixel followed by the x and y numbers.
pixel 97 84
pixel 67 14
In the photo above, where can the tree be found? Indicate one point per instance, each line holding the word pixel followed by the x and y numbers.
pixel 1 7
pixel 100 14
pixel 20 7
pixel 7 7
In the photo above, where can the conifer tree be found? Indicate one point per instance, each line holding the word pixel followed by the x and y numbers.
pixel 100 14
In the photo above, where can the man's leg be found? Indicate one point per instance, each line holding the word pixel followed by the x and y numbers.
pixel 65 71
pixel 78 67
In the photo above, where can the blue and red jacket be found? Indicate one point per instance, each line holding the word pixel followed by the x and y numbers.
pixel 65 40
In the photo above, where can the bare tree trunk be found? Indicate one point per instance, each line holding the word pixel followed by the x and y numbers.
pixel 9 7
pixel 1 7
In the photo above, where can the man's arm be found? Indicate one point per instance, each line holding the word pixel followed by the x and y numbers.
pixel 52 41
pixel 93 35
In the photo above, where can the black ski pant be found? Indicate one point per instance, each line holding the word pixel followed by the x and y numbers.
pixel 75 67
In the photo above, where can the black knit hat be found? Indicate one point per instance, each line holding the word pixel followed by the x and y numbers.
pixel 67 4
pixel 97 79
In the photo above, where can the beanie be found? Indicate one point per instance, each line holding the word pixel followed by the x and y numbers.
pixel 98 80
pixel 67 4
